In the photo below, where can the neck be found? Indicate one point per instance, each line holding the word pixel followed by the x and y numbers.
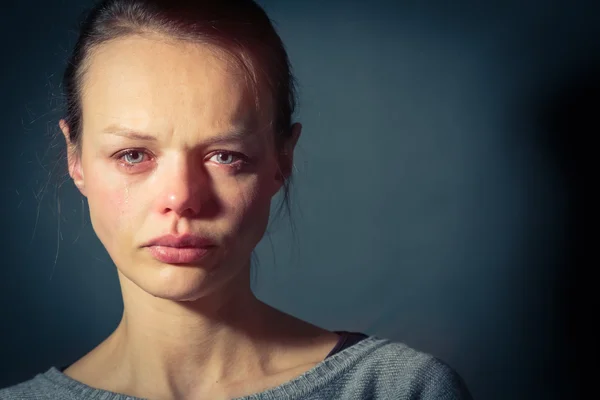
pixel 189 349
pixel 162 346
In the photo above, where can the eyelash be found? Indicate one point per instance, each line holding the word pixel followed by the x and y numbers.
pixel 236 164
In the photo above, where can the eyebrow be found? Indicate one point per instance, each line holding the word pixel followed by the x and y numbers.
pixel 240 133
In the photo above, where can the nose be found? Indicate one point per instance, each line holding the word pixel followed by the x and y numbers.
pixel 182 187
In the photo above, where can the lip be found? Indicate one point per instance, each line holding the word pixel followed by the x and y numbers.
pixel 180 241
pixel 185 249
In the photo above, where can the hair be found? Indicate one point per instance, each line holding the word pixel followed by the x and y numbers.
pixel 241 28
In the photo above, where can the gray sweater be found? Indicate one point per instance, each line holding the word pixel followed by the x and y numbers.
pixel 373 368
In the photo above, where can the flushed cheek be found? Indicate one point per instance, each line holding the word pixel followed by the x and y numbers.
pixel 111 212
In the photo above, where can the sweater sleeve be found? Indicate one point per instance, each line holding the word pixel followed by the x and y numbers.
pixel 438 381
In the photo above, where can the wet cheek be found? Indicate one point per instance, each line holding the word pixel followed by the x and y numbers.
pixel 110 209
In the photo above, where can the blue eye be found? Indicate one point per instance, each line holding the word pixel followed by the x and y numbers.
pixel 133 156
pixel 228 158
pixel 225 158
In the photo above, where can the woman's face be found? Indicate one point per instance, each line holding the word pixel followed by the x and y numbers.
pixel 174 144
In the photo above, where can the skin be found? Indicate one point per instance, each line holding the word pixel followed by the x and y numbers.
pixel 183 321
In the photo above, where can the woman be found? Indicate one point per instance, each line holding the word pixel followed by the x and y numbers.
pixel 179 132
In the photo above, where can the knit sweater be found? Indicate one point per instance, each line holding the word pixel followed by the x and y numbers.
pixel 374 368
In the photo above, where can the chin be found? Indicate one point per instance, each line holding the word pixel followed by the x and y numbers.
pixel 177 295
pixel 181 282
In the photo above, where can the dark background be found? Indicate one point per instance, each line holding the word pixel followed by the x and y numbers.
pixel 443 189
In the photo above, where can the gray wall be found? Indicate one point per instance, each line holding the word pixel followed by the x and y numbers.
pixel 435 198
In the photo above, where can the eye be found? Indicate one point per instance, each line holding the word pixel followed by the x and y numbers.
pixel 133 156
pixel 227 158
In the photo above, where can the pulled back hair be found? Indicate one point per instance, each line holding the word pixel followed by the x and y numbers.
pixel 241 28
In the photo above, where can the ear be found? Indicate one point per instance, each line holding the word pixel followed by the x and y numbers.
pixel 286 155
pixel 73 159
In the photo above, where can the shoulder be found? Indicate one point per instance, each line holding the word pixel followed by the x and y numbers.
pixel 385 369
pixel 40 387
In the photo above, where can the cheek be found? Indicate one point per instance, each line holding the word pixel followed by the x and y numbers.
pixel 111 211
pixel 248 206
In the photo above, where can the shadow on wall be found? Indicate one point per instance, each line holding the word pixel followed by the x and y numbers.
pixel 568 119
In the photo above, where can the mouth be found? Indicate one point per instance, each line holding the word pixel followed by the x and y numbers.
pixel 178 255
pixel 185 249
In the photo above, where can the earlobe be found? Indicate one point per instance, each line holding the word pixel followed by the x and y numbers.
pixel 73 159
pixel 286 156
pixel 296 131
pixel 76 171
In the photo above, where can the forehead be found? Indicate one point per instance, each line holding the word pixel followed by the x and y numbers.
pixel 160 84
